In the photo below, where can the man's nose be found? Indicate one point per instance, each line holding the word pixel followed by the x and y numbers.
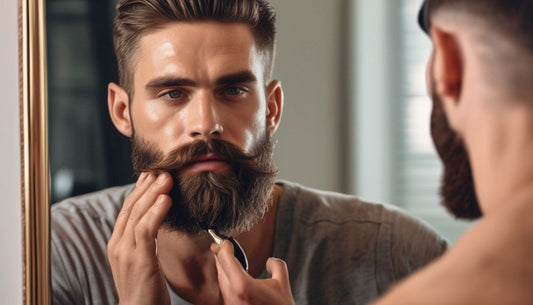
pixel 203 119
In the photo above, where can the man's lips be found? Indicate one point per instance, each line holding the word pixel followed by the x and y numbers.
pixel 204 163
pixel 207 158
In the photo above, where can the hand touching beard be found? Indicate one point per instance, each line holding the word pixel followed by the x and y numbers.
pixel 231 201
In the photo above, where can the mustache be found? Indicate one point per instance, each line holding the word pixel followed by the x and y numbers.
pixel 232 201
pixel 189 153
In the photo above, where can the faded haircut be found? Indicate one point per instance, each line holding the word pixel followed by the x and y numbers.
pixel 136 18
pixel 505 30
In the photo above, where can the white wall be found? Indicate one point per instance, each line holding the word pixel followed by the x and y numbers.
pixel 10 215
pixel 310 66
pixel 374 92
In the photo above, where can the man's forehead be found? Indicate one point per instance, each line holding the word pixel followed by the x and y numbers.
pixel 199 36
pixel 195 47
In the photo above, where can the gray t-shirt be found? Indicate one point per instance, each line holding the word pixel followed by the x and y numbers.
pixel 339 250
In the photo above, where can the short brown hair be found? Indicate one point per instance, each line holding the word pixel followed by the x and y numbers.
pixel 511 18
pixel 135 18
pixel 498 24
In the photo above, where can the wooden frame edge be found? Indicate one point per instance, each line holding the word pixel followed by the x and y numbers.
pixel 34 150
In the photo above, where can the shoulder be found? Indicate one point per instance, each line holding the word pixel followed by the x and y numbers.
pixel 315 206
pixel 80 228
pixel 389 236
pixel 495 252
pixel 97 206
pixel 87 218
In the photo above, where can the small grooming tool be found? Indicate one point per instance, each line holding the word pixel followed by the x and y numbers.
pixel 237 249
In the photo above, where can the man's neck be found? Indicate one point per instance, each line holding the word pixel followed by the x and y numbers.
pixel 189 265
pixel 258 243
pixel 500 148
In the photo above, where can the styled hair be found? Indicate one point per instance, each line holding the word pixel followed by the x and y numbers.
pixel 511 18
pixel 504 29
pixel 136 18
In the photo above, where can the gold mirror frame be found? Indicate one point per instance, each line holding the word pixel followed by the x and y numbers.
pixel 34 150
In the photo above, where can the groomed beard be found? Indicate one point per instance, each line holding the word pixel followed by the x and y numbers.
pixel 232 201
pixel 457 186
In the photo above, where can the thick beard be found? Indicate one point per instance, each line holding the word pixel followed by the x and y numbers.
pixel 457 186
pixel 232 202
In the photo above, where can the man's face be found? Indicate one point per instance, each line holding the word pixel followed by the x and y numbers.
pixel 457 186
pixel 197 80
pixel 199 111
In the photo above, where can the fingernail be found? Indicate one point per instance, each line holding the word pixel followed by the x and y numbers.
pixel 142 176
pixel 161 179
pixel 159 199
pixel 215 248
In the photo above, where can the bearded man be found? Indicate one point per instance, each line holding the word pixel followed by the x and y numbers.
pixel 197 99
pixel 480 76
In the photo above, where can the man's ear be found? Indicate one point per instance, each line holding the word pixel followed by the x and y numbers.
pixel 118 105
pixel 274 105
pixel 447 66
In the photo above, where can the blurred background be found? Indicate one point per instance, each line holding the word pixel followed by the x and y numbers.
pixel 356 116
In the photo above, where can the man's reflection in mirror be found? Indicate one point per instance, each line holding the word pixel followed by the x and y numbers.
pixel 196 97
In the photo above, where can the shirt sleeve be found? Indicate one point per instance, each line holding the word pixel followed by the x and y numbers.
pixel 60 281
pixel 414 245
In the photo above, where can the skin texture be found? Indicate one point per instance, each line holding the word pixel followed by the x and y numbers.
pixel 192 81
pixel 133 234
pixel 490 264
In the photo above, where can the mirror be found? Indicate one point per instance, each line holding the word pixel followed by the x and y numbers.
pixel 78 54
pixel 34 147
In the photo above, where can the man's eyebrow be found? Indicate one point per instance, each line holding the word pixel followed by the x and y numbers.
pixel 235 78
pixel 239 77
pixel 170 82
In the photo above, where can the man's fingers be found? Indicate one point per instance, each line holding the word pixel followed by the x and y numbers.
pixel 223 280
pixel 141 186
pixel 146 229
pixel 231 265
pixel 141 179
pixel 155 185
pixel 143 183
pixel 238 287
pixel 158 186
pixel 215 248
pixel 280 273
pixel 234 282
pixel 277 268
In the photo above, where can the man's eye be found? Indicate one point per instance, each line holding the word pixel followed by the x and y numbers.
pixel 174 94
pixel 234 91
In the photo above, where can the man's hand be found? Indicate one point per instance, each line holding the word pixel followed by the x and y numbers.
pixel 132 246
pixel 238 287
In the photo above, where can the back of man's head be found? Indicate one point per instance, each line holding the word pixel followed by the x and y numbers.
pixel 507 17
pixel 501 31
pixel 136 18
